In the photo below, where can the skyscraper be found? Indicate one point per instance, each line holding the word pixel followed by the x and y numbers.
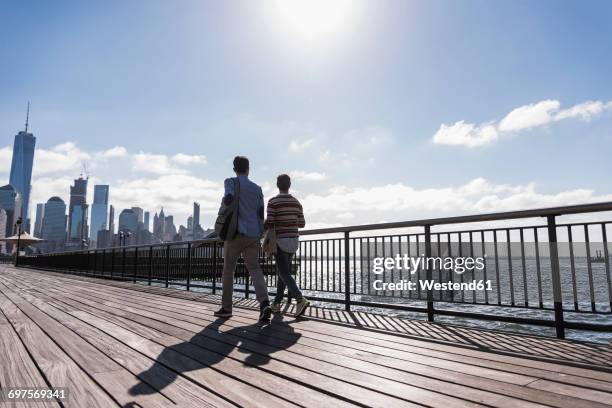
pixel 3 218
pixel 146 222
pixel 10 202
pixel 139 214
pixel 128 223
pixel 54 224
pixel 111 220
pixel 40 213
pixel 99 211
pixel 77 213
pixel 21 169
pixel 197 229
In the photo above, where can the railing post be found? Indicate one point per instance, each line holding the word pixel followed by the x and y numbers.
pixel 167 265
pixel 214 267
pixel 135 263
pixel 430 304
pixel 112 262
pixel 347 272
pixel 246 279
pixel 188 266
pixel 95 262
pixel 123 265
pixel 103 260
pixel 150 264
pixel 556 276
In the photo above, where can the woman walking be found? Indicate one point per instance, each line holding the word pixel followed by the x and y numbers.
pixel 285 216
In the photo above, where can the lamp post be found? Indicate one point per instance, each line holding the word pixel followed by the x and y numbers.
pixel 18 226
pixel 123 235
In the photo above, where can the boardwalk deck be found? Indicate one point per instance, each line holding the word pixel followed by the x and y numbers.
pixel 123 344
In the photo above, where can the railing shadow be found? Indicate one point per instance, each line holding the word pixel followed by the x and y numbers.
pixel 195 354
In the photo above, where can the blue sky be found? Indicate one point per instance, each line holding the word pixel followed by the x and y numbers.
pixel 351 111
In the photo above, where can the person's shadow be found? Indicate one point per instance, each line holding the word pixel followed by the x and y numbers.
pixel 258 341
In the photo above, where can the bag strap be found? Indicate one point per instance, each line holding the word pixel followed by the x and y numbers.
pixel 237 195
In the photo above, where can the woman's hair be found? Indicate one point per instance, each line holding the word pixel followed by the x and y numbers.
pixel 283 182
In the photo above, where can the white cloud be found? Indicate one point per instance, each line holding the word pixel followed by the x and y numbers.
pixel 307 176
pixel 61 158
pixel 522 118
pixel 117 151
pixel 6 154
pixel 396 202
pixel 155 164
pixel 466 134
pixel 296 146
pixel 530 116
pixel 187 159
pixel 585 111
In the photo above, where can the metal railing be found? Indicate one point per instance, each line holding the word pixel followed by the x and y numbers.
pixel 7 260
pixel 555 270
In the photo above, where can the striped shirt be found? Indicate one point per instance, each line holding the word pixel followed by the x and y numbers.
pixel 285 214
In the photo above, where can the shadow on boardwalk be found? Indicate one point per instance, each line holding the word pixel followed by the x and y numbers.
pixel 210 346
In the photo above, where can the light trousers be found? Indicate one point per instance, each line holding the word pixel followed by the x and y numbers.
pixel 249 248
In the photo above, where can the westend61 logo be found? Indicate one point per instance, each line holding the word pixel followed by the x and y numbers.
pixel 457 265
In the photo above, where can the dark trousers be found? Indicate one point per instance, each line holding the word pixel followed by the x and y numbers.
pixel 285 280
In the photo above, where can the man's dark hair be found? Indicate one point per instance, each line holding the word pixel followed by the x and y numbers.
pixel 283 182
pixel 241 164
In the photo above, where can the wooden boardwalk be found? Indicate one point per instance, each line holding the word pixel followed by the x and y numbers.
pixel 123 344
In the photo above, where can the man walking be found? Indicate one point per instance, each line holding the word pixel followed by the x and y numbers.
pixel 246 241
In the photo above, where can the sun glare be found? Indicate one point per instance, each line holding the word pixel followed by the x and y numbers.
pixel 313 18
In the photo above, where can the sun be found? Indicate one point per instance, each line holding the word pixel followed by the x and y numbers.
pixel 313 18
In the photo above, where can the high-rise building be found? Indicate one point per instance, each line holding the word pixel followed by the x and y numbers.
pixel 21 169
pixel 3 219
pixel 128 224
pixel 170 229
pixel 40 211
pixel 196 214
pixel 77 213
pixel 10 202
pixel 111 220
pixel 139 214
pixel 99 212
pixel 197 228
pixel 53 229
pixel 128 221
pixel 146 222
pixel 159 225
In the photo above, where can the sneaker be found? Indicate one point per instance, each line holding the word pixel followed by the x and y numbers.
pixel 265 311
pixel 223 313
pixel 276 307
pixel 300 306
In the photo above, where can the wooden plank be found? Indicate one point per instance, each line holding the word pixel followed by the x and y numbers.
pixel 555 371
pixel 17 368
pixel 499 402
pixel 183 305
pixel 175 387
pixel 57 366
pixel 542 397
pixel 90 359
pixel 547 346
pixel 241 393
pixel 330 386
